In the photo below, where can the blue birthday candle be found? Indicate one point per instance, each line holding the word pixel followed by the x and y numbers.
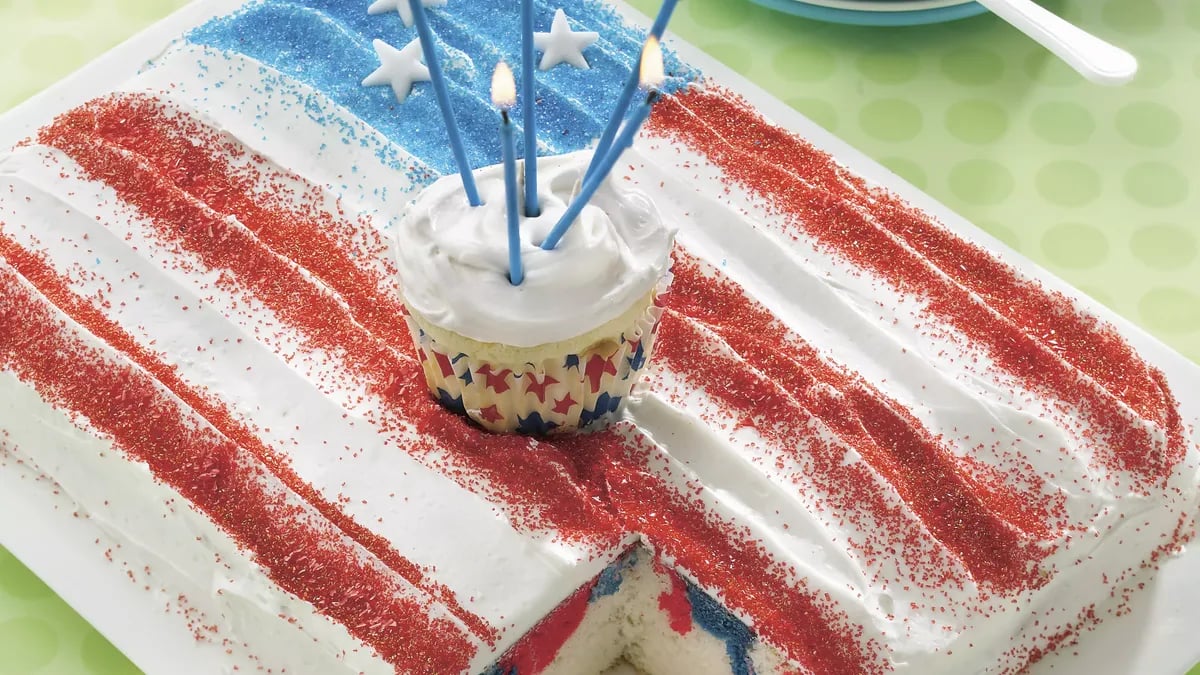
pixel 443 97
pixel 532 206
pixel 651 77
pixel 504 94
pixel 631 85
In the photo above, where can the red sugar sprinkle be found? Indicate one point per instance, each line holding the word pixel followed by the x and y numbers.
pixel 314 563
pixel 1034 335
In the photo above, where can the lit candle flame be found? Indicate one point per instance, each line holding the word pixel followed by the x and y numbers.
pixel 651 75
pixel 504 89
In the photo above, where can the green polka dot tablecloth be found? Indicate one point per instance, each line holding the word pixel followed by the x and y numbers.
pixel 1101 186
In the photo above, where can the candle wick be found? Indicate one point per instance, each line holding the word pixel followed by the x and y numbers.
pixel 504 115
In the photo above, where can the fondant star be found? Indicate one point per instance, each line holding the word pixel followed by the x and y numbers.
pixel 538 388
pixel 562 44
pixel 401 6
pixel 571 362
pixel 398 67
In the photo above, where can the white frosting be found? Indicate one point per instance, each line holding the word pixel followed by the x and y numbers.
pixel 454 258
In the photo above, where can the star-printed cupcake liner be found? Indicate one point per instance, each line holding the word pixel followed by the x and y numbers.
pixel 562 392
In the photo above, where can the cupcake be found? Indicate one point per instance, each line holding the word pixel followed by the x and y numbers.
pixel 561 351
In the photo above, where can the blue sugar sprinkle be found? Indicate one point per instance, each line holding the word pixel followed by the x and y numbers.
pixel 715 619
pixel 299 37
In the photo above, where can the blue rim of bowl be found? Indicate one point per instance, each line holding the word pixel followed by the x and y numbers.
pixel 874 18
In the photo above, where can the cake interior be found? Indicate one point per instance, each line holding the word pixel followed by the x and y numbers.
pixel 639 614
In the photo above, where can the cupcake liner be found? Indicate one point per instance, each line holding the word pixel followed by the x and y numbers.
pixel 564 392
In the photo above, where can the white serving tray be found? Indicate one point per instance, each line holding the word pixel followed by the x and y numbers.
pixel 1157 637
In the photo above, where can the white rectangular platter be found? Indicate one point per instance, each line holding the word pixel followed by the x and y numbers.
pixel 1158 636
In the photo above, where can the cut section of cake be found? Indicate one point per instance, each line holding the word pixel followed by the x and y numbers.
pixel 864 445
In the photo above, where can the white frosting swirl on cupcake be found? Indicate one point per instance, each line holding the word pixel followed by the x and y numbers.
pixel 453 258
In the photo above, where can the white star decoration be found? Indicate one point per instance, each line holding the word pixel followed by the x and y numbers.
pixel 561 44
pixel 401 6
pixel 398 67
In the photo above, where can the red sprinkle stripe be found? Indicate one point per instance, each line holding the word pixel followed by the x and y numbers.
pixel 57 289
pixel 767 162
pixel 197 159
pixel 1050 318
pixel 211 471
